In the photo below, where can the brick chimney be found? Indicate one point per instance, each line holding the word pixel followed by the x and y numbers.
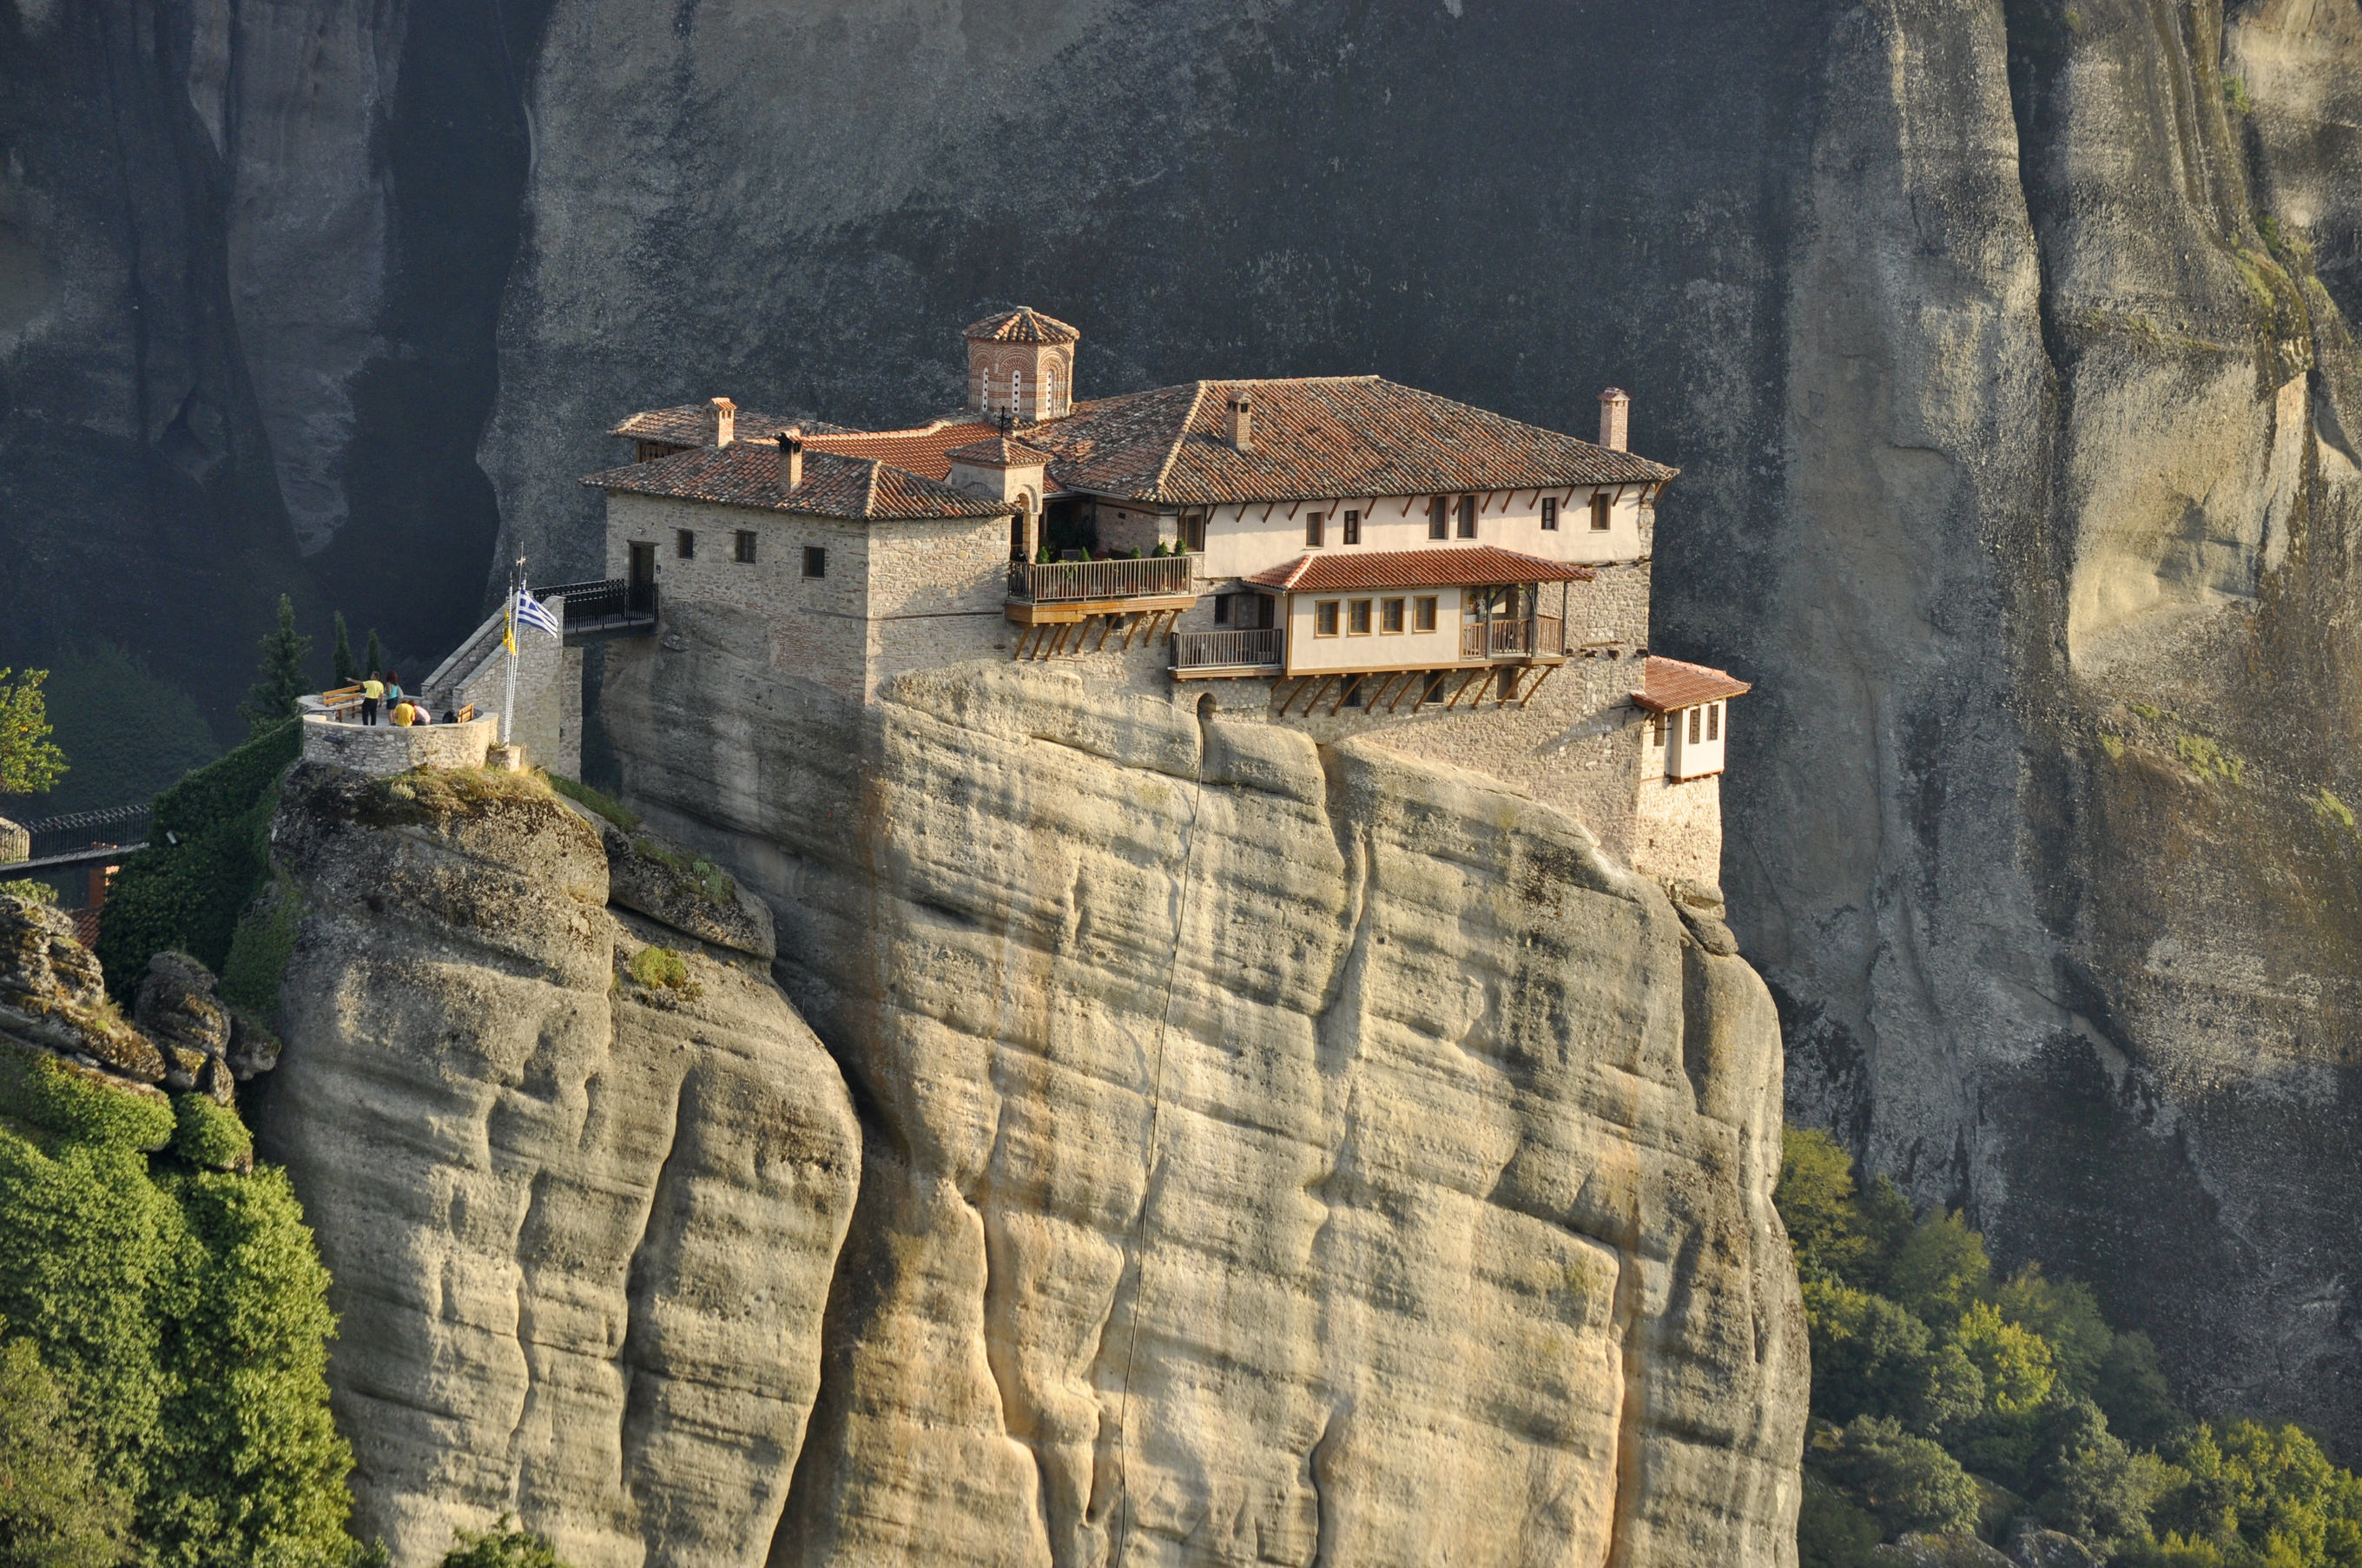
pixel 791 457
pixel 1614 418
pixel 1243 420
pixel 724 420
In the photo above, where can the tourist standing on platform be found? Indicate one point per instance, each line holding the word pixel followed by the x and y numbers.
pixel 372 693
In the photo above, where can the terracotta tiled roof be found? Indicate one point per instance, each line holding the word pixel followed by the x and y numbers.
pixel 1671 684
pixel 1318 437
pixel 747 473
pixel 1349 571
pixel 687 424
pixel 1023 324
pixel 924 450
pixel 1001 451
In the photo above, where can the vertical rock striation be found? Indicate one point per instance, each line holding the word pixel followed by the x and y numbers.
pixel 580 1181
pixel 1268 1155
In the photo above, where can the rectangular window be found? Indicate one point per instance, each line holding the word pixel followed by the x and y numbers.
pixel 1599 511
pixel 1352 696
pixel 746 546
pixel 815 561
pixel 1193 532
pixel 1312 529
pixel 1221 609
pixel 1657 730
pixel 1357 618
pixel 684 544
pixel 1423 612
pixel 1390 614
pixel 1353 527
pixel 1467 516
pixel 1550 513
pixel 1438 518
pixel 1714 721
pixel 1694 726
pixel 1324 618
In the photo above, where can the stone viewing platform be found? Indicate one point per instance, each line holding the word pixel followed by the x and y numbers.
pixel 382 750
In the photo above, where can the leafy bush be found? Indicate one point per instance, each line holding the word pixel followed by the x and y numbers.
pixel 183 1315
pixel 54 1512
pixel 259 948
pixel 32 892
pixel 207 855
pixel 504 1546
pixel 210 1136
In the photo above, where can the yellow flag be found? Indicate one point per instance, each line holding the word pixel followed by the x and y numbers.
pixel 508 632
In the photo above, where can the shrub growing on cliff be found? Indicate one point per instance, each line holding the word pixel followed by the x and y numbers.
pixel 207 856
pixel 503 1546
pixel 184 1316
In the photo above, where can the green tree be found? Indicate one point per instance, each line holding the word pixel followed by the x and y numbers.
pixel 503 1546
pixel 1905 1483
pixel 2092 1486
pixel 2016 1364
pixel 340 658
pixel 373 661
pixel 1830 1531
pixel 2130 1387
pixel 1870 1357
pixel 29 761
pixel 1940 1268
pixel 275 694
pixel 2066 1315
pixel 54 1513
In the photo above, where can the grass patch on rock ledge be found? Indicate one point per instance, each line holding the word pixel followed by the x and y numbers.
pixel 596 800
pixel 429 797
pixel 661 969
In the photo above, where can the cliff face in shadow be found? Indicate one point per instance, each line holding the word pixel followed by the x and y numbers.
pixel 2004 345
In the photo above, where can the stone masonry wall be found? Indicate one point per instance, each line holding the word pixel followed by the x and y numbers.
pixel 815 627
pixel 938 593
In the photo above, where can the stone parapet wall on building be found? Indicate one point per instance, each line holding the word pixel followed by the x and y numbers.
pixel 381 750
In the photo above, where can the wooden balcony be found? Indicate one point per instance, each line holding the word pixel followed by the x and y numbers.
pixel 1199 656
pixel 1045 594
pixel 1535 637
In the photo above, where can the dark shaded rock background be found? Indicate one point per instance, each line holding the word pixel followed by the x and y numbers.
pixel 2016 443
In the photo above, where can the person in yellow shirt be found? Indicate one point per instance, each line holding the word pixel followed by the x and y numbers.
pixel 372 693
pixel 404 714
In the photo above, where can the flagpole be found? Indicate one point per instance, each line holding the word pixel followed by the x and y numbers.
pixel 508 705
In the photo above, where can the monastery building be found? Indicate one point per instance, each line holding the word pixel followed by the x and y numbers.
pixel 1338 553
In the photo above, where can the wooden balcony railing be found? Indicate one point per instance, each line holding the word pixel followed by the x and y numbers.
pixel 1535 637
pixel 1049 583
pixel 1227 650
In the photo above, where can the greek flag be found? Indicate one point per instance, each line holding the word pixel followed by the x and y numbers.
pixel 530 611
